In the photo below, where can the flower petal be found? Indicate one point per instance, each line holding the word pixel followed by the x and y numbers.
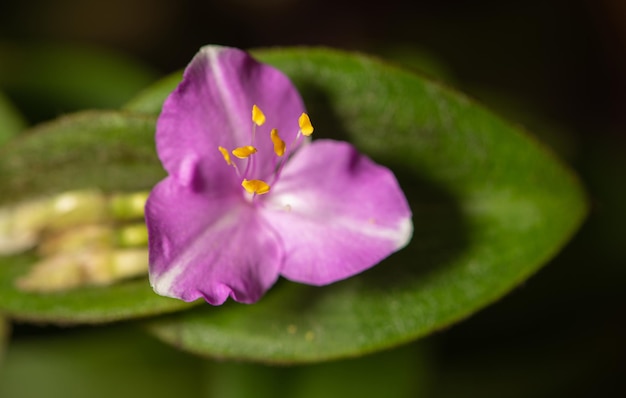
pixel 212 107
pixel 337 213
pixel 208 247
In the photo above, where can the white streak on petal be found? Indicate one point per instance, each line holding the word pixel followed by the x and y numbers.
pixel 187 171
pixel 399 234
pixel 164 284
pixel 231 111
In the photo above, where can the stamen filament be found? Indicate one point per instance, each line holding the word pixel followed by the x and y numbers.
pixel 259 187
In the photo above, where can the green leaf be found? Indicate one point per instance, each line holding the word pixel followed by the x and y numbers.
pixel 111 151
pixel 11 122
pixel 490 207
pixel 124 300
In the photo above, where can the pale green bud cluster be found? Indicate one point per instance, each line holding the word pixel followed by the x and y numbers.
pixel 82 237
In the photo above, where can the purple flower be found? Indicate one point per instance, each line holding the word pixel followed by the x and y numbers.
pixel 250 197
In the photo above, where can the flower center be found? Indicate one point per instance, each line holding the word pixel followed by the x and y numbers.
pixel 246 152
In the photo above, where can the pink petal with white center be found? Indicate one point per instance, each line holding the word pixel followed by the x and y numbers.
pixel 211 247
pixel 337 213
pixel 212 107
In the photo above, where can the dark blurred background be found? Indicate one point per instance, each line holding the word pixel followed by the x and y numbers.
pixel 563 59
pixel 555 67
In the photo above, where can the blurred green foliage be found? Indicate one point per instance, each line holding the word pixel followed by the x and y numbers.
pixel 11 121
pixel 46 80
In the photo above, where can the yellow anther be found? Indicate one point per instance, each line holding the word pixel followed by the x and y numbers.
pixel 244 151
pixel 255 186
pixel 225 154
pixel 257 116
pixel 305 125
pixel 279 145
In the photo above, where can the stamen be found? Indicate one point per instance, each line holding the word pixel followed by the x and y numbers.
pixel 257 116
pixel 244 151
pixel 260 187
pixel 257 187
pixel 305 125
pixel 279 144
pixel 225 154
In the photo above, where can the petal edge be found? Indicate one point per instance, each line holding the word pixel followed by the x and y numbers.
pixel 338 213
